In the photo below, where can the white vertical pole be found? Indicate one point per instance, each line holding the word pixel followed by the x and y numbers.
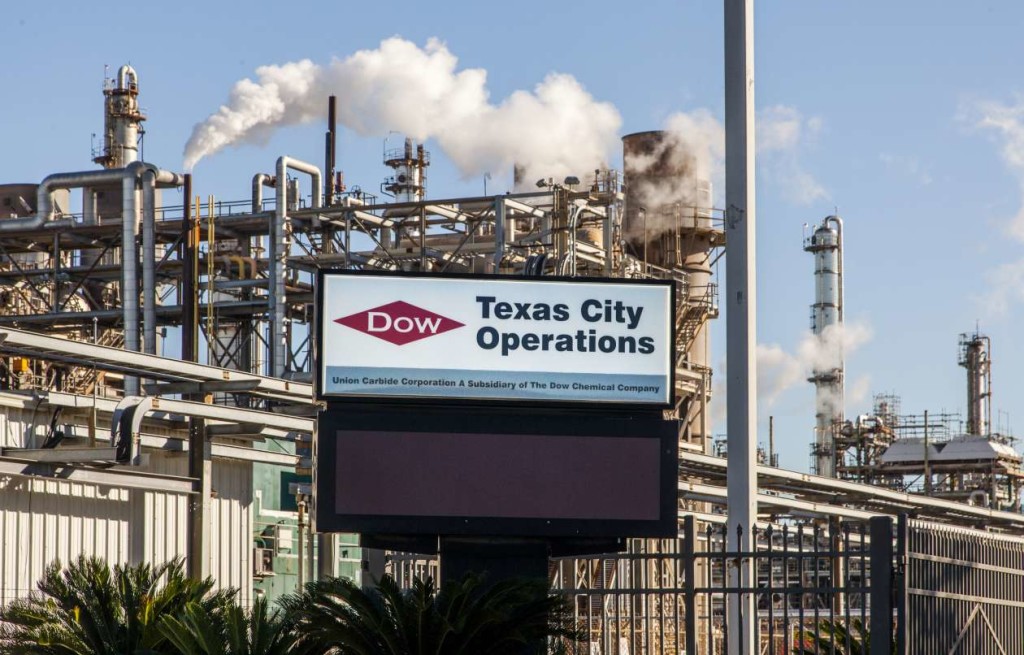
pixel 741 328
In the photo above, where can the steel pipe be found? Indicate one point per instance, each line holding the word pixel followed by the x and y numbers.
pixel 131 177
pixel 152 178
pixel 260 180
pixel 149 262
pixel 280 241
pixel 45 211
pixel 129 272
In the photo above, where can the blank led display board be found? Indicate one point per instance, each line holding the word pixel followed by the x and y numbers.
pixel 495 339
pixel 440 471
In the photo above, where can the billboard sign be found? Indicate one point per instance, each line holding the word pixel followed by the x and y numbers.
pixel 495 471
pixel 495 338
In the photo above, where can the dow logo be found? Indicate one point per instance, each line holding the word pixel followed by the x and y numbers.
pixel 399 322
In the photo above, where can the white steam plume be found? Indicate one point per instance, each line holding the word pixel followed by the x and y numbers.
pixel 555 130
pixel 666 175
pixel 778 370
pixel 694 151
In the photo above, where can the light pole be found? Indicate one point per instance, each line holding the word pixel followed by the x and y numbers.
pixel 741 320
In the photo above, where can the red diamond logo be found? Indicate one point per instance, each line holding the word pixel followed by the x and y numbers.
pixel 399 323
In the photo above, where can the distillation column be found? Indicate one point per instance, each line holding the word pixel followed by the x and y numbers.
pixel 409 183
pixel 975 356
pixel 826 244
pixel 122 120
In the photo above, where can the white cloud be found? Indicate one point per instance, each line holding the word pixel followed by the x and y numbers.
pixel 1005 124
pixel 1005 287
pixel 906 165
pixel 1006 121
pixel 782 134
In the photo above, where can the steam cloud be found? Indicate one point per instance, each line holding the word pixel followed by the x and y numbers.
pixel 694 150
pixel 556 130
pixel 778 370
pixel 671 173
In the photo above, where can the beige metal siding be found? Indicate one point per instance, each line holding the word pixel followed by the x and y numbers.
pixel 42 520
pixel 231 524
pixel 165 517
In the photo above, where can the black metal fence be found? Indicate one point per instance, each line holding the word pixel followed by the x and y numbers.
pixel 959 591
pixel 812 589
pixel 877 587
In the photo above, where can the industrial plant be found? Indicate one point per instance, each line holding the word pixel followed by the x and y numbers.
pixel 157 379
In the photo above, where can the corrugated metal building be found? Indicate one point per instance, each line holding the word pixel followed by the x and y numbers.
pixel 45 519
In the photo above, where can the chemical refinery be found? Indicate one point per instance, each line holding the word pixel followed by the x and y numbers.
pixel 156 374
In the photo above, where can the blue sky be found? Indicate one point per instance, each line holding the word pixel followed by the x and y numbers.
pixel 908 117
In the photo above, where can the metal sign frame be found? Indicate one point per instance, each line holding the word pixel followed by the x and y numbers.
pixel 605 405
pixel 382 417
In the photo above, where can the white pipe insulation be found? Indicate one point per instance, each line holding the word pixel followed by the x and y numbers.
pixel 280 243
pixel 132 177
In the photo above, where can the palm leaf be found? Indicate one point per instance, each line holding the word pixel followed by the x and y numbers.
pixel 465 618
pixel 88 608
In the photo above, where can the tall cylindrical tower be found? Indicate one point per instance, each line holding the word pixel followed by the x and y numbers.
pixel 667 202
pixel 975 356
pixel 122 120
pixel 668 227
pixel 409 183
pixel 826 244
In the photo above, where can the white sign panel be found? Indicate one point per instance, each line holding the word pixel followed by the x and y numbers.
pixel 494 338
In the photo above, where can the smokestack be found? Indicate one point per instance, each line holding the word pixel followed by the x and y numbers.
pixel 665 199
pixel 826 244
pixel 330 160
pixel 668 224
pixel 518 176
